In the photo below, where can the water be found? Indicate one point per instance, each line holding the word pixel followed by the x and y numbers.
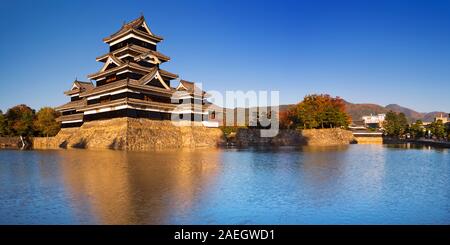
pixel 356 184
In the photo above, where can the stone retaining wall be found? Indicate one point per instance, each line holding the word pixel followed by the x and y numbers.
pixel 289 137
pixel 132 134
pixel 369 140
pixel 10 142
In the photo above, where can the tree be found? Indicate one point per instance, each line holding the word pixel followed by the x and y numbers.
pixel 286 119
pixel 448 131
pixel 438 129
pixel 417 129
pixel 395 125
pixel 403 125
pixel 45 123
pixel 390 124
pixel 20 120
pixel 319 111
pixel 3 125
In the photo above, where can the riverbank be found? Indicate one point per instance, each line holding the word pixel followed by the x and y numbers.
pixel 444 144
pixel 427 142
pixel 289 137
pixel 147 135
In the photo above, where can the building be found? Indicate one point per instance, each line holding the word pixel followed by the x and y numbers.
pixel 132 84
pixel 445 119
pixel 374 121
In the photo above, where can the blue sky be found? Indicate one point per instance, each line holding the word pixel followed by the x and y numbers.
pixel 364 51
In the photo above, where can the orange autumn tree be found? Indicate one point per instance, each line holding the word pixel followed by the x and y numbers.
pixel 285 118
pixel 317 111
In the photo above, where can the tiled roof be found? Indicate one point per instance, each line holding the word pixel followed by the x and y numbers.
pixel 72 117
pixel 80 87
pixel 190 87
pixel 106 87
pixel 123 65
pixel 124 83
pixel 168 74
pixel 137 49
pixel 72 105
pixel 148 76
pixel 133 27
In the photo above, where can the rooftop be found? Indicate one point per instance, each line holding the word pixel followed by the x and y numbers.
pixel 137 26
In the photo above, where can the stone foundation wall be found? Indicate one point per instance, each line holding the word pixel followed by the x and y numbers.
pixel 328 136
pixel 289 137
pixel 10 142
pixel 132 134
pixel 369 140
pixel 144 134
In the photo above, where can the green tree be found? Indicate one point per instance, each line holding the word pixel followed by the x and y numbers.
pixel 403 126
pixel 395 125
pixel 3 125
pixel 438 129
pixel 417 129
pixel 20 120
pixel 45 123
pixel 390 124
pixel 448 131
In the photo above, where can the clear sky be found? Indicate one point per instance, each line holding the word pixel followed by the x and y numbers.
pixel 364 51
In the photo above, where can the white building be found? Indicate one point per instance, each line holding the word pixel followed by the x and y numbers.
pixel 374 119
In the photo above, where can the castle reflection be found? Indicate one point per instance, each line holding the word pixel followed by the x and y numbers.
pixel 136 188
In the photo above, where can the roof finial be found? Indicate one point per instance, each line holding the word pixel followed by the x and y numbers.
pixel 142 14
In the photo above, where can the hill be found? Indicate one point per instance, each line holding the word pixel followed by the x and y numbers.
pixel 356 111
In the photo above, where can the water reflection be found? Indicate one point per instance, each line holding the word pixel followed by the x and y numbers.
pixel 356 184
pixel 322 168
pixel 137 188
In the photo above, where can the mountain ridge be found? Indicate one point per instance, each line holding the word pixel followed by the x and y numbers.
pixel 357 110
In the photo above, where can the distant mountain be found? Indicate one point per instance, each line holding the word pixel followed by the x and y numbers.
pixel 412 115
pixel 356 111
pixel 359 110
pixel 429 117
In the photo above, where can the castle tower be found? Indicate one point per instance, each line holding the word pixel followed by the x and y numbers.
pixel 132 84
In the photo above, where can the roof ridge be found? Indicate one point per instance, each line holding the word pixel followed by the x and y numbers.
pixel 133 26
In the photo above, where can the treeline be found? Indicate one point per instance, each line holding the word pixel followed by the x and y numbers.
pixel 396 125
pixel 21 120
pixel 316 111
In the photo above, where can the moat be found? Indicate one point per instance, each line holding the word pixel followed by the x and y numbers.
pixel 353 184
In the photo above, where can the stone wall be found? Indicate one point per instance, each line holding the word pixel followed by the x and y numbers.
pixel 289 137
pixel 10 142
pixel 329 136
pixel 369 140
pixel 132 134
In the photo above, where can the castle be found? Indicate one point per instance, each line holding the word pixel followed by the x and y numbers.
pixel 132 84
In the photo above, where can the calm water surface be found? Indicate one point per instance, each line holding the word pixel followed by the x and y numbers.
pixel 356 184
